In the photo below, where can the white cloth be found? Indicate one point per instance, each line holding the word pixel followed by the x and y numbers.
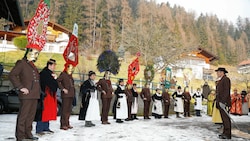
pixel 178 105
pixel 198 101
pixel 122 110
pixel 93 111
pixel 245 108
pixel 134 108
pixel 157 107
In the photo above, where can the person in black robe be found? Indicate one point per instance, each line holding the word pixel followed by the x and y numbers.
pixel 85 89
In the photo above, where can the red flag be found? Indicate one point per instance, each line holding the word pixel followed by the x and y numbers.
pixel 36 38
pixel 133 69
pixel 70 53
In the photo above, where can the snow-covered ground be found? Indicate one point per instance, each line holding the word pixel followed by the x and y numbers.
pixel 172 129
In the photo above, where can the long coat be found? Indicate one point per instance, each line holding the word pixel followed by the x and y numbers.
pixel 223 91
pixel 66 81
pixel 85 90
pixel 145 93
pixel 25 75
pixel 105 85
pixel 166 98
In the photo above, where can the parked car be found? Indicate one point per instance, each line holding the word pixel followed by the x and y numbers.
pixel 9 102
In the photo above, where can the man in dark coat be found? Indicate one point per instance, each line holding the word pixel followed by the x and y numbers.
pixel 49 102
pixel 25 78
pixel 87 87
pixel 166 102
pixel 146 97
pixel 105 87
pixel 223 87
pixel 205 90
pixel 129 95
pixel 66 84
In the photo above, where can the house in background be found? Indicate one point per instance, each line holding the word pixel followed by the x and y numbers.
pixel 57 37
pixel 195 65
pixel 244 67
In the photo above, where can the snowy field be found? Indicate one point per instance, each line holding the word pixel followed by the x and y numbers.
pixel 172 129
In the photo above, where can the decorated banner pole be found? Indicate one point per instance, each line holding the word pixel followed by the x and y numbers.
pixel 133 69
pixel 70 53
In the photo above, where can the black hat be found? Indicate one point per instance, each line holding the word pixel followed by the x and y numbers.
pixel 120 80
pixel 222 69
pixel 179 87
pixel 91 73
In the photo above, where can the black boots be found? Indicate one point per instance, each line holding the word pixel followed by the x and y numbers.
pixel 89 124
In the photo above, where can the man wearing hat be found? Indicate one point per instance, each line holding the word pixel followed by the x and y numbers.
pixel 90 105
pixel 105 87
pixel 25 78
pixel 223 100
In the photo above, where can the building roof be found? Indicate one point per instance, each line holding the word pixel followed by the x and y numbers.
pixel 245 62
pixel 209 57
pixel 16 31
pixel 10 10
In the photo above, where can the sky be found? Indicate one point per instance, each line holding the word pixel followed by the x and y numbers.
pixel 224 9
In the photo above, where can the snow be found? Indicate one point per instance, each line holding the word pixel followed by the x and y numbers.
pixel 171 129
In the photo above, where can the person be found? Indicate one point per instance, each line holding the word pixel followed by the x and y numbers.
pixel 25 78
pixel 187 99
pixel 178 102
pixel 49 102
pixel 90 105
pixel 120 104
pixel 205 90
pixel 223 101
pixel 173 82
pixel 134 107
pixel 244 102
pixel 146 97
pixel 236 102
pixel 166 102
pixel 157 104
pixel 66 84
pixel 248 99
pixel 198 102
pixel 105 87
pixel 129 96
pixel 210 102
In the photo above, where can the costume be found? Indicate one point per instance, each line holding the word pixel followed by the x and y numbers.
pixel 187 98
pixel 146 97
pixel 104 85
pixel 236 107
pixel 49 102
pixel 120 104
pixel 223 87
pixel 129 102
pixel 198 103
pixel 157 105
pixel 210 103
pixel 134 107
pixel 25 75
pixel 178 102
pixel 66 81
pixel 205 90
pixel 90 104
pixel 166 103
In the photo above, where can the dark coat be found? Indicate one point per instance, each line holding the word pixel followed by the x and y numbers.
pixel 145 93
pixel 166 98
pixel 25 75
pixel 186 97
pixel 85 90
pixel 129 95
pixel 66 81
pixel 223 87
pixel 105 85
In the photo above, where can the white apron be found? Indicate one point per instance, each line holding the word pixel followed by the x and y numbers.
pixel 157 107
pixel 178 105
pixel 198 101
pixel 134 107
pixel 93 111
pixel 122 109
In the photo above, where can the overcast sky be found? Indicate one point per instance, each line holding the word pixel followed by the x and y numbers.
pixel 224 9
